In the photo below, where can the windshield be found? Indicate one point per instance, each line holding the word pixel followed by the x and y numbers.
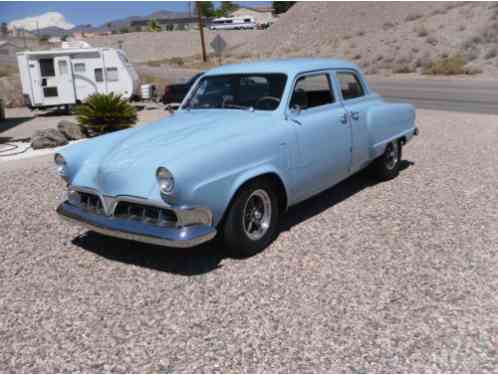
pixel 239 91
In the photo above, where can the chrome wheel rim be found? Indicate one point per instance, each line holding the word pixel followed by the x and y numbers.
pixel 257 215
pixel 392 155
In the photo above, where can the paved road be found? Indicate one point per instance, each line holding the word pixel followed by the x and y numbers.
pixel 448 95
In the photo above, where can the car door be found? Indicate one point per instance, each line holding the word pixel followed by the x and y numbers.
pixel 323 134
pixel 355 100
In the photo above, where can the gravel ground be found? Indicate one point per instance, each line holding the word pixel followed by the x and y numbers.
pixel 389 277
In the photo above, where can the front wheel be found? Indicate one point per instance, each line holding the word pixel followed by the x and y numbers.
pixel 387 165
pixel 251 223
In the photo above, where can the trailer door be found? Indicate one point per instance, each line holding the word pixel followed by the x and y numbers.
pixel 65 80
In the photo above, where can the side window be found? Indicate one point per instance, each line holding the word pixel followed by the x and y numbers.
pixel 99 77
pixel 63 67
pixel 79 68
pixel 47 68
pixel 350 85
pixel 312 91
pixel 112 74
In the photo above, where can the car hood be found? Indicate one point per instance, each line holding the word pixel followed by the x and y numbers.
pixel 128 166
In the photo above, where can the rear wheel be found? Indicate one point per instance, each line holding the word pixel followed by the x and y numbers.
pixel 251 223
pixel 387 165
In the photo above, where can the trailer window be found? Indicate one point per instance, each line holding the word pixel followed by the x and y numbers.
pixel 63 67
pixel 99 76
pixel 79 68
pixel 112 74
pixel 47 67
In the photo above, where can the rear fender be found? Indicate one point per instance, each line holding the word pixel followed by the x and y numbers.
pixel 387 122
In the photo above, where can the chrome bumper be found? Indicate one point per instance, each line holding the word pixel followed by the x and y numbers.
pixel 187 236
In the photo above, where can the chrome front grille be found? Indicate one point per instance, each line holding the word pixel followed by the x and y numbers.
pixel 147 214
pixel 90 202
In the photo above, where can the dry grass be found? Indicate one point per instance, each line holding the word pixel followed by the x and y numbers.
pixel 446 66
pixel 421 30
pixel 7 70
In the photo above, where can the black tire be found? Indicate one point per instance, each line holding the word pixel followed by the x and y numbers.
pixel 234 234
pixel 387 165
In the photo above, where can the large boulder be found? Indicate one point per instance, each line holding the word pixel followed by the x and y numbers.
pixel 48 138
pixel 71 130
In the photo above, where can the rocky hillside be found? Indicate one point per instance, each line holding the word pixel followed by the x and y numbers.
pixel 399 37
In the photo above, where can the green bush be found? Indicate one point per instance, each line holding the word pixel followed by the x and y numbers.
pixel 105 113
pixel 446 66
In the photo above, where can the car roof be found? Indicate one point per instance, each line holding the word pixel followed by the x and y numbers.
pixel 288 66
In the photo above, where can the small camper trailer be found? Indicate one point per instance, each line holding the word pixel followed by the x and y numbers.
pixel 67 76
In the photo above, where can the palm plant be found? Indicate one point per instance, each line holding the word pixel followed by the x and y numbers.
pixel 104 113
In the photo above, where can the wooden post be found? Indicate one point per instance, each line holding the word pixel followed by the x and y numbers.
pixel 201 30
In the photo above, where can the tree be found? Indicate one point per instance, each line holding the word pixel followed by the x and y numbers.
pixel 207 8
pixel 64 37
pixel 227 7
pixel 124 30
pixel 4 29
pixel 154 25
pixel 280 7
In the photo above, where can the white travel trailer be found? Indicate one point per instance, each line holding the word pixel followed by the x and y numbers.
pixel 67 76
pixel 232 23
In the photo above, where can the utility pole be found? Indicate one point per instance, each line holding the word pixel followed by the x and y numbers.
pixel 201 30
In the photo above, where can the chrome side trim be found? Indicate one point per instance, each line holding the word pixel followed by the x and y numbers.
pixel 189 236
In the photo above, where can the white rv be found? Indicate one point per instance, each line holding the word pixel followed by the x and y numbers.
pixel 233 23
pixel 67 76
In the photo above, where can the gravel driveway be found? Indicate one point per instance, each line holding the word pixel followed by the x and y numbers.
pixel 394 276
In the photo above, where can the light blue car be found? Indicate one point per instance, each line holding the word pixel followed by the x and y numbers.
pixel 248 141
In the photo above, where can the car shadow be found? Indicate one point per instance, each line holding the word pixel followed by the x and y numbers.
pixel 207 257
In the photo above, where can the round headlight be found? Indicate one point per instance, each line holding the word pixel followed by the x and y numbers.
pixel 165 180
pixel 61 164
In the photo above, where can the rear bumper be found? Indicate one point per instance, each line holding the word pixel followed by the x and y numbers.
pixel 188 236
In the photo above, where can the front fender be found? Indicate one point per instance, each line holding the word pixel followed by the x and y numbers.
pixel 219 192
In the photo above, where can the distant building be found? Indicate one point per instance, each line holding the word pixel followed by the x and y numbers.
pixel 261 14
pixel 8 52
pixel 183 23
pixel 54 39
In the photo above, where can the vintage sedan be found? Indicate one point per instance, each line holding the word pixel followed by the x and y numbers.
pixel 248 141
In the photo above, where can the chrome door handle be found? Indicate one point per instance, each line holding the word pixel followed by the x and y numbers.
pixel 355 115
pixel 344 118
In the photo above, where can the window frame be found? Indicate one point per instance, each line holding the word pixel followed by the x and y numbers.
pixel 358 78
pixel 79 64
pixel 308 74
pixel 113 68
pixel 102 75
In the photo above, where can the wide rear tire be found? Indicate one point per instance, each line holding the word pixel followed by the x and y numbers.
pixel 388 164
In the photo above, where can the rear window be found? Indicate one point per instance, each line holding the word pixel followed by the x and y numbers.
pixel 351 87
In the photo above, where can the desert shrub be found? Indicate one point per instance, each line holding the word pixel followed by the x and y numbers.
pixel 403 68
pixel 432 41
pixel 388 25
pixel 471 54
pixel 423 60
pixel 491 53
pixel 421 30
pixel 472 70
pixel 7 70
pixel 446 66
pixel 360 33
pixel 413 17
pixel 104 113
pixel 177 61
pixel 489 32
pixel 153 63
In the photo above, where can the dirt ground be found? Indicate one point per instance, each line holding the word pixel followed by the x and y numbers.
pixel 21 123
